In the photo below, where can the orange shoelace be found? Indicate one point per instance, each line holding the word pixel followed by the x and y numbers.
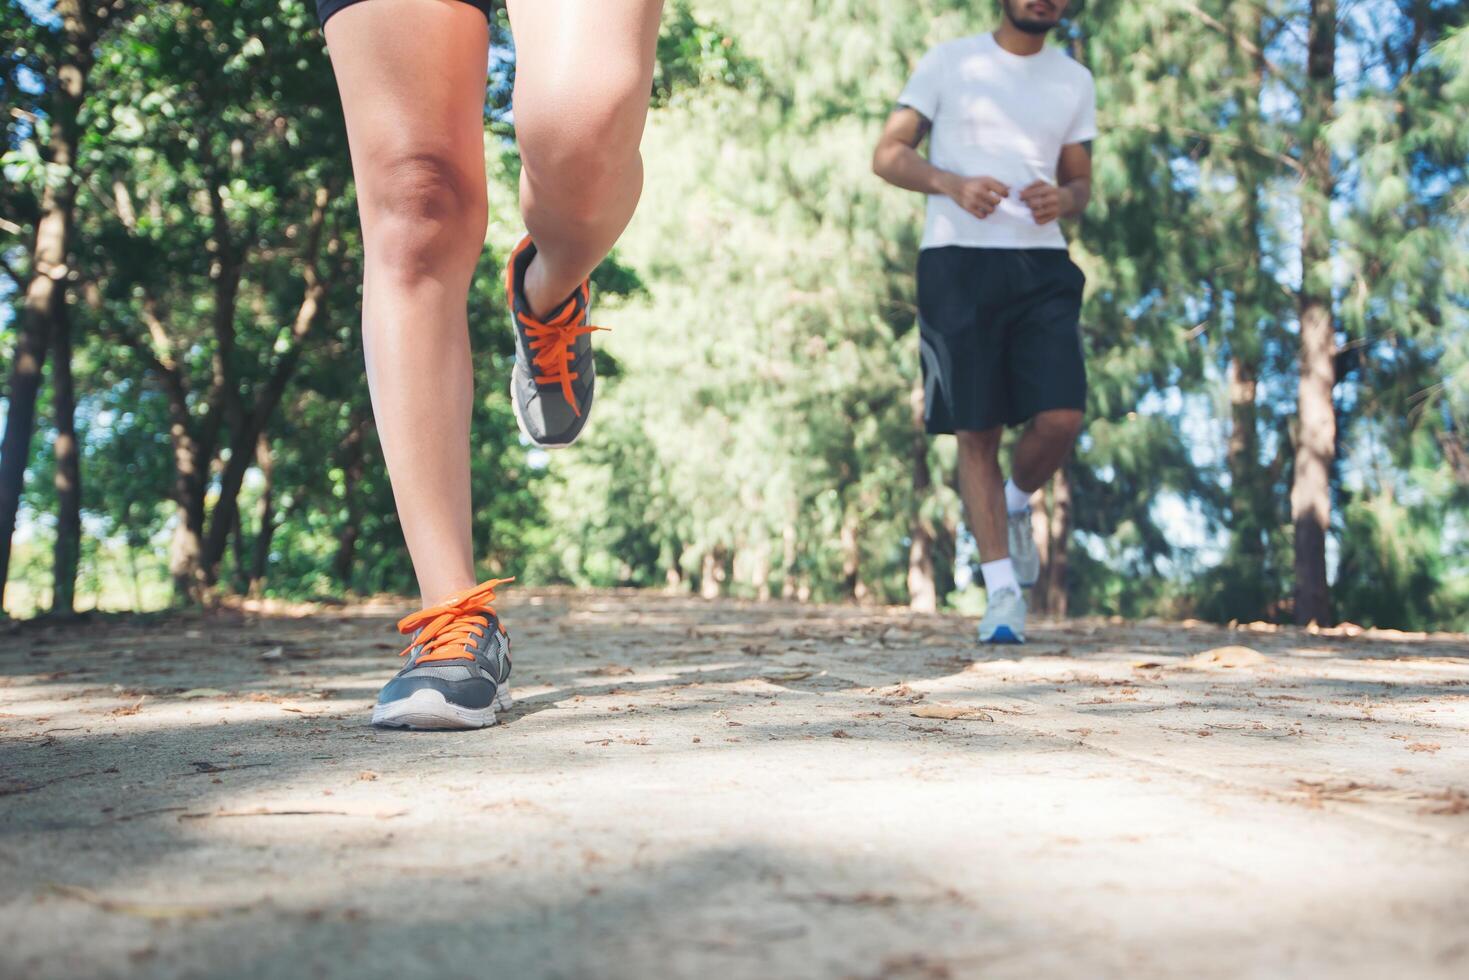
pixel 551 344
pixel 452 624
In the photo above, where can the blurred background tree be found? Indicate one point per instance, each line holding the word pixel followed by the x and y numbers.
pixel 1277 265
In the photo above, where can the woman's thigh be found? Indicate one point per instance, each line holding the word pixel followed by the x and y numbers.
pixel 412 80
pixel 584 68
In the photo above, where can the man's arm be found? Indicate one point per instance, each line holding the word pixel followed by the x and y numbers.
pixel 898 162
pixel 897 159
pixel 1069 199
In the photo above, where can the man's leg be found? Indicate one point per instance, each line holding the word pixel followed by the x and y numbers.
pixel 1041 450
pixel 981 484
pixel 982 487
pixel 412 81
pixel 1044 447
pixel 583 76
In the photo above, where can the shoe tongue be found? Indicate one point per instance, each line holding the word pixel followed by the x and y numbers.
pixel 482 617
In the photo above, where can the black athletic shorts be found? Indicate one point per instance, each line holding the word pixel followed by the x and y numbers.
pixel 999 330
pixel 325 8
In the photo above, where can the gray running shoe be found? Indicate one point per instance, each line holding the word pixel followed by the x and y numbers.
pixel 1004 620
pixel 1022 548
pixel 555 377
pixel 458 669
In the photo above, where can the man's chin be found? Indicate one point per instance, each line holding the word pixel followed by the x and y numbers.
pixel 1033 26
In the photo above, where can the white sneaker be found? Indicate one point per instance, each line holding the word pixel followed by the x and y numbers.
pixel 1004 620
pixel 1022 548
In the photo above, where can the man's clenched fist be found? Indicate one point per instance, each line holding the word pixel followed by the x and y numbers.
pixel 1046 201
pixel 977 195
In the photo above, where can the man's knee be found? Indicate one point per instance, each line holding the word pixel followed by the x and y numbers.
pixel 426 210
pixel 1058 425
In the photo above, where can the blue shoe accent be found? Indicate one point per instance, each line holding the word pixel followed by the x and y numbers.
pixel 1003 634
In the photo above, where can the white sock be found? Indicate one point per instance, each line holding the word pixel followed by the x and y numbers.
pixel 1016 499
pixel 999 575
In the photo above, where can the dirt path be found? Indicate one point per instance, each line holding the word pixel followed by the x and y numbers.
pixel 718 789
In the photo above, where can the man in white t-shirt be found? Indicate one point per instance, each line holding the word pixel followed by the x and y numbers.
pixel 1009 123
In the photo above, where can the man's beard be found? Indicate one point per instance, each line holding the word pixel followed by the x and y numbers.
pixel 1023 23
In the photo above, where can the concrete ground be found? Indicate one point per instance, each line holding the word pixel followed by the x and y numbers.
pixel 688 788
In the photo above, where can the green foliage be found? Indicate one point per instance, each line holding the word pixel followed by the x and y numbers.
pixel 693 55
pixel 754 433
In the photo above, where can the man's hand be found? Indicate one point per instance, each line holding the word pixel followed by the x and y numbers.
pixel 1047 202
pixel 977 195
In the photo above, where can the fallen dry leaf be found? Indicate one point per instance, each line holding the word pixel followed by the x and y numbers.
pixel 130 709
pixel 951 712
pixel 142 910
pixel 1229 657
pixel 866 898
pixel 1450 802
pixel 262 812
pixel 1423 746
pixel 1343 789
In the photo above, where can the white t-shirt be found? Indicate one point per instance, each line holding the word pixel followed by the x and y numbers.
pixel 1001 115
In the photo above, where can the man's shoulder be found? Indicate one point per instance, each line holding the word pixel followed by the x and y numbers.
pixel 954 47
pixel 1068 67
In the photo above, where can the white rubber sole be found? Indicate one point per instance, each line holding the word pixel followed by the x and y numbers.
pixel 427 709
pixel 520 422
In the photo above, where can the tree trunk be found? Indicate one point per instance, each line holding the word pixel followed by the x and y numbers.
pixel 789 556
pixel 265 518
pixel 68 478
pixel 1310 497
pixel 1250 508
pixel 922 585
pixel 852 585
pixel 713 573
pixel 760 572
pixel 1058 545
pixel 1040 529
pixel 137 583
pixel 243 552
pixel 45 294
pixel 1244 461
pixel 672 568
pixel 184 551
pixel 352 470
pixel 190 484
pixel 252 424
pixel 20 419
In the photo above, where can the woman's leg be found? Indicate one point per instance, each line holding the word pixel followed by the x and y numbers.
pixel 583 76
pixel 412 80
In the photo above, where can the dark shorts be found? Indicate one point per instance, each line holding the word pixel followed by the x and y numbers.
pixel 1000 335
pixel 325 8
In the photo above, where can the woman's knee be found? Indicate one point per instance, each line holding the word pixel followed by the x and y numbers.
pixel 421 210
pixel 578 141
